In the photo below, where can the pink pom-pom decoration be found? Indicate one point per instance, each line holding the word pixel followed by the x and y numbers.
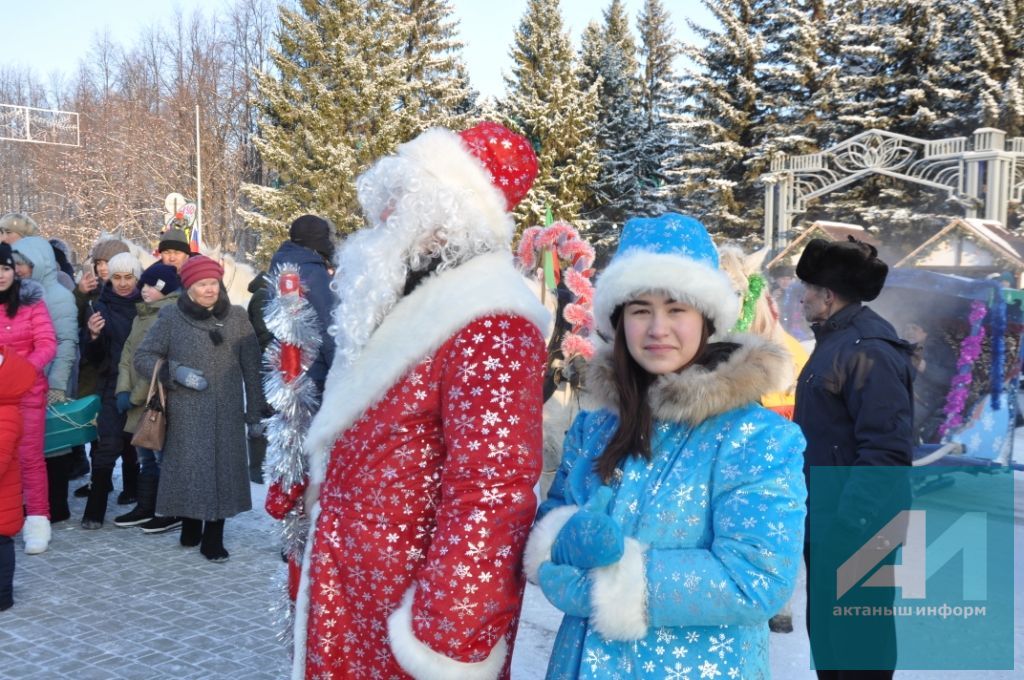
pixel 527 252
pixel 575 259
pixel 580 253
pixel 580 285
pixel 579 316
pixel 575 345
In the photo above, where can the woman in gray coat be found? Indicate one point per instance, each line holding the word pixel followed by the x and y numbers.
pixel 212 364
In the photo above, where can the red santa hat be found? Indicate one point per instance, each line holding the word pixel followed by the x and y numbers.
pixel 494 164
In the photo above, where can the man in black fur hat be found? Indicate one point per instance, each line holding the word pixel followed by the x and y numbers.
pixel 854 402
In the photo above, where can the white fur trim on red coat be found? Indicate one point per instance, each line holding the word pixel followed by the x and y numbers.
pixel 417 326
pixel 444 155
pixel 423 663
pixel 542 537
pixel 302 601
pixel 618 596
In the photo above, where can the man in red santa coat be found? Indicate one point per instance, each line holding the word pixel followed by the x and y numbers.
pixel 425 452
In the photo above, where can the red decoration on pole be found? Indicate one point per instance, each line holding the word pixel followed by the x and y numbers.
pixel 291 355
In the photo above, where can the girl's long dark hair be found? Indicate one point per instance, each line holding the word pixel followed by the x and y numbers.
pixel 632 382
pixel 11 298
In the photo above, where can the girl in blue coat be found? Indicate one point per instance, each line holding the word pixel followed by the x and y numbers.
pixel 674 527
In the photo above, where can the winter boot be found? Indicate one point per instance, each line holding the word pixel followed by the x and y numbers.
pixel 129 477
pixel 781 623
pixel 191 532
pixel 96 506
pixel 6 573
pixel 36 533
pixel 145 509
pixel 58 472
pixel 212 546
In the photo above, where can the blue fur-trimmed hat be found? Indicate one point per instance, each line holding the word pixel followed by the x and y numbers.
pixel 673 254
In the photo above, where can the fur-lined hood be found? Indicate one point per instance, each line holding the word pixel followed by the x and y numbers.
pixel 755 368
pixel 30 292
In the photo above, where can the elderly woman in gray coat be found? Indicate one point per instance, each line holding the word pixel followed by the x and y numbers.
pixel 212 363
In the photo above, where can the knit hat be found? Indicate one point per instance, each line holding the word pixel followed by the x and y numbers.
pixel 174 239
pixel 6 255
pixel 850 268
pixel 314 233
pixel 19 223
pixel 107 248
pixel 124 263
pixel 199 267
pixel 673 254
pixel 161 276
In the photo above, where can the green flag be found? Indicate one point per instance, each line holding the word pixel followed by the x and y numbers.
pixel 549 269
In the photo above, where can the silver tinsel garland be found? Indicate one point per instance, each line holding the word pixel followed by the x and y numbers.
pixel 291 320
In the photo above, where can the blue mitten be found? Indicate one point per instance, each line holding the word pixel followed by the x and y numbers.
pixel 591 538
pixel 566 587
pixel 124 401
pixel 190 377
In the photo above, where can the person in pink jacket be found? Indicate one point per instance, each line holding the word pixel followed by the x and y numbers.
pixel 16 378
pixel 26 328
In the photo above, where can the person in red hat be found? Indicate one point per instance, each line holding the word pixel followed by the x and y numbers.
pixel 426 450
pixel 212 362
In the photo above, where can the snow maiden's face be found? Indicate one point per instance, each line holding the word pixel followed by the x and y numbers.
pixel 662 335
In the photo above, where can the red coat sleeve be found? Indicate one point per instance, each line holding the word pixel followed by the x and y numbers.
pixel 469 591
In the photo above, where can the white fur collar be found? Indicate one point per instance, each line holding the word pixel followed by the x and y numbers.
pixel 417 326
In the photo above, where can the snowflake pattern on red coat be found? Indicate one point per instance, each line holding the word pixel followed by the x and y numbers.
pixel 432 487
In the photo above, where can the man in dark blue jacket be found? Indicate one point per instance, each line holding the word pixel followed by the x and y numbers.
pixel 854 402
pixel 310 247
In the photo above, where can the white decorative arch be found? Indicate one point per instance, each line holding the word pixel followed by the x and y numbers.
pixel 984 172
pixel 39 126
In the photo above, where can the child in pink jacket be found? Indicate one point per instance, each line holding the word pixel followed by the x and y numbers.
pixel 26 328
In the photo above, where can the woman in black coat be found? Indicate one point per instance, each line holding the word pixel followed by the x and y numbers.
pixel 107 329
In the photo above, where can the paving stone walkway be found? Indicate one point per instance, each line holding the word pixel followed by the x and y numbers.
pixel 118 603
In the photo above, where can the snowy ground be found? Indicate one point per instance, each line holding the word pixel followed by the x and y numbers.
pixel 118 604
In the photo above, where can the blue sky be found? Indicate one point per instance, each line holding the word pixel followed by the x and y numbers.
pixel 53 35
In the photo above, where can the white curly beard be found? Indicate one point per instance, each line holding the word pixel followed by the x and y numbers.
pixel 414 219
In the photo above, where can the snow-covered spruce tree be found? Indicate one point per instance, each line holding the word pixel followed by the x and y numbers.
pixel 993 78
pixel 795 82
pixel 899 68
pixel 545 102
pixel 658 103
pixel 722 97
pixel 330 108
pixel 608 60
pixel 437 76
pixel 898 71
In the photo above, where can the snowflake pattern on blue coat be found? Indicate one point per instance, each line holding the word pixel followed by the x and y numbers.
pixel 720 511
